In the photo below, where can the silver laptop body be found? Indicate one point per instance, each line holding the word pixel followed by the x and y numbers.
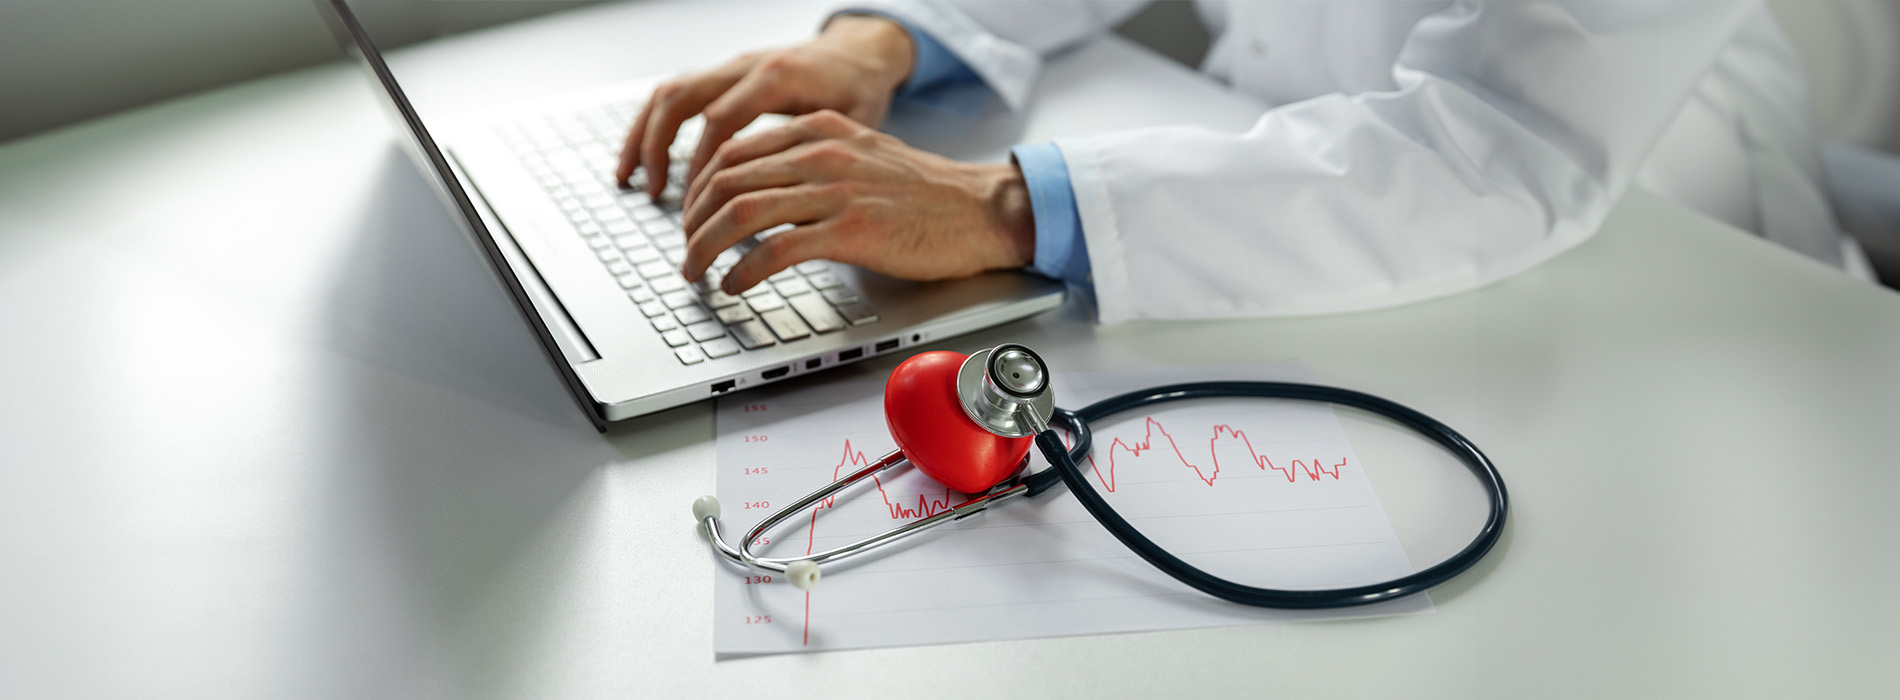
pixel 593 267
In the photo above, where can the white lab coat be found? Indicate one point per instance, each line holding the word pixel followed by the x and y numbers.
pixel 1416 148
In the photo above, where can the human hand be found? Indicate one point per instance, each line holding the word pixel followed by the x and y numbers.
pixel 854 66
pixel 856 196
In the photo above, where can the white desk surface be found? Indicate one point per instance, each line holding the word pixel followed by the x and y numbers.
pixel 270 431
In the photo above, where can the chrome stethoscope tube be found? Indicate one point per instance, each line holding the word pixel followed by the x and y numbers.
pixel 803 570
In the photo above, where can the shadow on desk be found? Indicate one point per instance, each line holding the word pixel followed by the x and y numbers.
pixel 474 480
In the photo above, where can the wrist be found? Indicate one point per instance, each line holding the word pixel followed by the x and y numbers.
pixel 879 38
pixel 1013 227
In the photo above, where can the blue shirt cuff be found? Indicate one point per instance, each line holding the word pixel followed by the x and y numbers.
pixel 932 65
pixel 1061 252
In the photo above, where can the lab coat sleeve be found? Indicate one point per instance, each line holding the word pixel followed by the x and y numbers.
pixel 1002 41
pixel 1513 129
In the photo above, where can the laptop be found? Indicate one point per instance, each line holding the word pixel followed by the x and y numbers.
pixel 593 267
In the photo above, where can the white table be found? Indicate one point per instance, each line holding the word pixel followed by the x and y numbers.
pixel 268 431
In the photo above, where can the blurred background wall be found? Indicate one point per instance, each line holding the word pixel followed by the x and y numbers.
pixel 63 61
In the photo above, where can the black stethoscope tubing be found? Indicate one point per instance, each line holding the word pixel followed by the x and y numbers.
pixel 1064 463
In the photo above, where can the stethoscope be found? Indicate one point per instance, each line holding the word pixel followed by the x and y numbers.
pixel 968 422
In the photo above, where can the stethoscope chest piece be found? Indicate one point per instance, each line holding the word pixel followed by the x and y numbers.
pixel 1005 390
pixel 929 423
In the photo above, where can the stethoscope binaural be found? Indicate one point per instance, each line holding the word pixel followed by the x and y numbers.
pixel 968 422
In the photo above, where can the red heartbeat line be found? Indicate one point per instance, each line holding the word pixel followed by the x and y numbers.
pixel 1153 426
pixel 926 507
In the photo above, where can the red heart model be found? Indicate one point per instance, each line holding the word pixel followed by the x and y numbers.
pixel 929 425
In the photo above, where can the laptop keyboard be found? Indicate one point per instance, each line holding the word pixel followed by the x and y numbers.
pixel 640 243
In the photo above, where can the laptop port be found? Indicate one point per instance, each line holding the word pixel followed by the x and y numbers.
pixel 887 345
pixel 775 372
pixel 813 363
pixel 849 355
pixel 725 386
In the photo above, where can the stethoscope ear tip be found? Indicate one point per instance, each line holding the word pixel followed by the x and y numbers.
pixel 705 507
pixel 803 574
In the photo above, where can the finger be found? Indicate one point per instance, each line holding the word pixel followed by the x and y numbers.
pixel 761 90
pixel 738 152
pixel 776 170
pixel 749 214
pixel 782 250
pixel 811 127
pixel 629 150
pixel 672 104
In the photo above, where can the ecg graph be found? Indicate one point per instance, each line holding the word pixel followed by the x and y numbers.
pixel 1117 447
pixel 1271 495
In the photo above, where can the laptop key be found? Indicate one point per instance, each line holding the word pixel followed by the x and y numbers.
pixel 677 337
pixel 791 287
pixel 752 334
pixel 783 275
pixel 669 283
pixel 674 300
pixel 766 302
pixel 675 255
pixel 719 347
pixel 817 313
pixel 652 308
pixel 607 215
pixel 647 212
pixel 857 313
pixel 706 330
pixel 840 295
pixel 690 355
pixel 628 280
pixel 812 267
pixel 619 267
pixel 641 295
pixel 757 290
pixel 824 280
pixel 607 254
pixel 667 238
pixel 733 314
pixel 720 300
pixel 643 255
pixel 689 315
pixel 785 324
pixel 664 323
pixel 654 269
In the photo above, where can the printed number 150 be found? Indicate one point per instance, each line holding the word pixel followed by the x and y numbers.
pixel 755 438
